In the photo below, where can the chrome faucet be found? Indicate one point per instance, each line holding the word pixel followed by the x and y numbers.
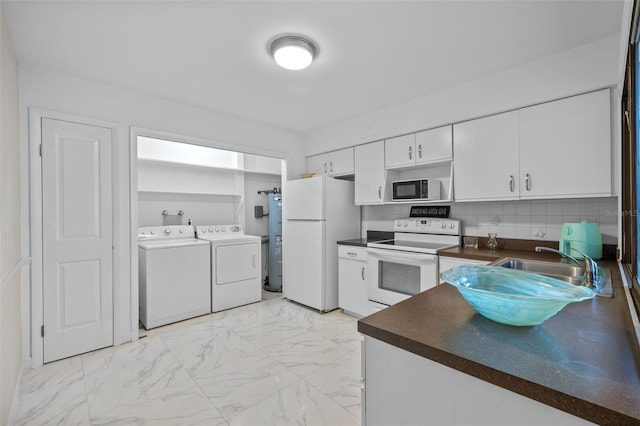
pixel 591 273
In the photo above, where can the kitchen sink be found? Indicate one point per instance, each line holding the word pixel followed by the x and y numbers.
pixel 570 273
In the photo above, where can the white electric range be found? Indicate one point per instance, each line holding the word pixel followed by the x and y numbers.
pixel 408 264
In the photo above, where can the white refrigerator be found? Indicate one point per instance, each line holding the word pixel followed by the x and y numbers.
pixel 318 212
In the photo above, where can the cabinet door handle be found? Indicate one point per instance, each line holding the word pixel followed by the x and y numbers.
pixel 325 167
pixel 380 192
pixel 420 151
pixel 362 273
pixel 527 182
pixel 410 152
pixel 331 167
pixel 511 183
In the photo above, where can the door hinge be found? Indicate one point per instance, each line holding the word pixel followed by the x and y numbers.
pixel 42 330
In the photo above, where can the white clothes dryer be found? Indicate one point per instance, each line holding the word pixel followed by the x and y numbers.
pixel 174 271
pixel 235 266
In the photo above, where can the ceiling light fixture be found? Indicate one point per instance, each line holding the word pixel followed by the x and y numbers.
pixel 293 52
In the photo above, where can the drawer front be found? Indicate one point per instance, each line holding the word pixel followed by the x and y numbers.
pixel 352 252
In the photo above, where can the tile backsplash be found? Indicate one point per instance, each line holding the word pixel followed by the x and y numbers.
pixel 526 220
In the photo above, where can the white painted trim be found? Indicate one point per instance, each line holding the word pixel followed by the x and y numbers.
pixel 35 198
pixel 133 193
pixel 133 230
pixel 9 275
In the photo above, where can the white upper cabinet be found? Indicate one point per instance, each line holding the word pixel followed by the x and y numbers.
pixel 557 149
pixel 434 145
pixel 429 146
pixel 400 151
pixel 370 173
pixel 335 163
pixel 486 158
pixel 565 148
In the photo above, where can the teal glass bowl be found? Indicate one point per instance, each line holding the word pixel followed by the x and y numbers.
pixel 513 297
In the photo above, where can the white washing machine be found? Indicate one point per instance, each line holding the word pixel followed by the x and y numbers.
pixel 174 270
pixel 235 266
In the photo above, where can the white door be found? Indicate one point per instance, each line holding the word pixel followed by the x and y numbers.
pixel 304 263
pixel 370 173
pixel 400 151
pixel 565 147
pixel 77 238
pixel 305 199
pixel 237 262
pixel 486 158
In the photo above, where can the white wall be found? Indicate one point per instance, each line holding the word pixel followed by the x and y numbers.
pixel 585 68
pixel 10 234
pixel 50 90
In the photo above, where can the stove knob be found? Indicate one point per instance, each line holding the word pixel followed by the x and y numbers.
pixel 152 233
pixel 224 229
pixel 444 225
pixel 167 232
pixel 144 233
pixel 235 228
pixel 181 231
pixel 211 229
pixel 451 225
pixel 204 231
pixel 406 223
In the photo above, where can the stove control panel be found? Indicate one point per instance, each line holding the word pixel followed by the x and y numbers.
pixel 425 225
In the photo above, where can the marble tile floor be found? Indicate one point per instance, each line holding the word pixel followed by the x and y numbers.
pixel 268 363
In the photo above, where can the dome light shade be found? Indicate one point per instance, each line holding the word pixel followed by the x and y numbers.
pixel 293 52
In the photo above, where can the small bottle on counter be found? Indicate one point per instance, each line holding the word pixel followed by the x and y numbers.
pixel 492 243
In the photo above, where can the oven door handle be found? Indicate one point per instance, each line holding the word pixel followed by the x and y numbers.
pixel 386 253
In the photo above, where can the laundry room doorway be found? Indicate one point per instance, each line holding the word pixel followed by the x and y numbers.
pixel 177 180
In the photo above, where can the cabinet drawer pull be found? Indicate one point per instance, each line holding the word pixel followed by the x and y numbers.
pixel 527 182
pixel 410 153
pixel 331 167
pixel 325 167
pixel 420 151
pixel 352 254
pixel 380 192
pixel 511 183
pixel 362 273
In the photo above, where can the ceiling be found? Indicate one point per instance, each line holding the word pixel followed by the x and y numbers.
pixel 372 54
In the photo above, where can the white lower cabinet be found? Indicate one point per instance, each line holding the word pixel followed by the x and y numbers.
pixel 402 388
pixel 446 263
pixel 352 280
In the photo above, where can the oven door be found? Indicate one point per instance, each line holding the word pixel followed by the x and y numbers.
pixel 397 275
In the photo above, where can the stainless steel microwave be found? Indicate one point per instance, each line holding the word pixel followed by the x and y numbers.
pixel 416 190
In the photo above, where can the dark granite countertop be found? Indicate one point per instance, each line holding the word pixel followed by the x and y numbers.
pixel 372 236
pixel 582 361
pixel 358 242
